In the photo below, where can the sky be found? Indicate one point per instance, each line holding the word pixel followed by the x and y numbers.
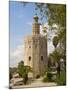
pixel 20 25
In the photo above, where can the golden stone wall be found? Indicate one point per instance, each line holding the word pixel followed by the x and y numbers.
pixel 36 48
pixel 35 51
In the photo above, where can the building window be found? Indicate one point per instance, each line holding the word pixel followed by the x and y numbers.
pixel 41 58
pixel 29 46
pixel 29 58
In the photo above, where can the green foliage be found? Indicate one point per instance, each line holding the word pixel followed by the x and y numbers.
pixel 62 39
pixel 45 79
pixel 21 68
pixel 49 60
pixel 44 28
pixel 62 79
pixel 23 71
pixel 55 41
pixel 57 14
pixel 48 77
pixel 56 56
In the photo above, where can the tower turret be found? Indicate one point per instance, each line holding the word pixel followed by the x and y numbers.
pixel 36 26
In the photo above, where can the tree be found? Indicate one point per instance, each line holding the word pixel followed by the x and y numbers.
pixel 23 71
pixel 56 56
pixel 21 68
pixel 55 13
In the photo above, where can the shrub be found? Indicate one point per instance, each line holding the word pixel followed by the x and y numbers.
pixel 62 79
pixel 25 79
pixel 49 76
pixel 45 79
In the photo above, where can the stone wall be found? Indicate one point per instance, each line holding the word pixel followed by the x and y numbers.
pixel 35 54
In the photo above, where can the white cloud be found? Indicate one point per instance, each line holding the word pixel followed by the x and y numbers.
pixel 16 55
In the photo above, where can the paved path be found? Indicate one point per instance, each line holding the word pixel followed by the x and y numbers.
pixel 37 83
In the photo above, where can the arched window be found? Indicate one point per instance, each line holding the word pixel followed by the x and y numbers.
pixel 29 46
pixel 29 58
pixel 41 58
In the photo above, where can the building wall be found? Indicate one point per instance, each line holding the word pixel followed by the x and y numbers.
pixel 43 55
pixel 35 54
pixel 28 51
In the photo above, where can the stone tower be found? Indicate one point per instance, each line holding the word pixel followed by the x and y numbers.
pixel 35 50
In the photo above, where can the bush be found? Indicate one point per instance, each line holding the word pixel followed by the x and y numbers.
pixel 62 79
pixel 48 77
pixel 45 79
pixel 25 79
